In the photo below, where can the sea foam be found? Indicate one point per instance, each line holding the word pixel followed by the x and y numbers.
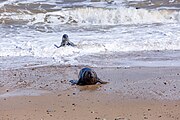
pixel 96 31
pixel 96 16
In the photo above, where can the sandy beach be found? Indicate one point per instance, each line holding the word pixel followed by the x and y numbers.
pixel 134 93
pixel 134 45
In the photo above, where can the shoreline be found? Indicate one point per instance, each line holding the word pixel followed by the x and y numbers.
pixel 132 93
pixel 143 82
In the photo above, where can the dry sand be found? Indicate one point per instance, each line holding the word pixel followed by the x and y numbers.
pixel 45 93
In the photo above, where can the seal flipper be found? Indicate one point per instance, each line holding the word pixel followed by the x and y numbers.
pixel 100 81
pixel 80 82
pixel 73 82
pixel 57 46
pixel 71 44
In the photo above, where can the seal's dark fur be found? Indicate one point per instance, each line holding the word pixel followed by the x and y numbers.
pixel 65 42
pixel 87 76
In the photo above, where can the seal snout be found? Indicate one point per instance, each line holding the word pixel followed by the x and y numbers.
pixel 89 74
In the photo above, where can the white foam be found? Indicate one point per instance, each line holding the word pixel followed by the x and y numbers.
pixel 117 39
pixel 101 16
pixel 135 0
pixel 94 30
pixel 7 2
pixel 97 16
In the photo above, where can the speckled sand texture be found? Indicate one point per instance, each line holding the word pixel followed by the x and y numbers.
pixel 45 93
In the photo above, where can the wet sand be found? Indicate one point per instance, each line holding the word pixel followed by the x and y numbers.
pixel 45 93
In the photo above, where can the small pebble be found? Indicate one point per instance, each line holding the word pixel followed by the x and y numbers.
pixel 97 118
pixel 165 83
pixel 49 110
pixel 145 117
pixel 92 112
pixel 33 68
pixel 120 118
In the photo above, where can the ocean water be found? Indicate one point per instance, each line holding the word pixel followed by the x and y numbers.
pixel 107 33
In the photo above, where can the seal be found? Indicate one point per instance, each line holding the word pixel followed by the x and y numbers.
pixel 87 76
pixel 65 42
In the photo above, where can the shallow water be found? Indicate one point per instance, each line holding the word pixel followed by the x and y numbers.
pixel 119 33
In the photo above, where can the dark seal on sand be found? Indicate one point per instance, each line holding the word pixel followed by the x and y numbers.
pixel 87 76
pixel 65 42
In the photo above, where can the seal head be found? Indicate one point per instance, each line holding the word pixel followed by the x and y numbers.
pixel 65 36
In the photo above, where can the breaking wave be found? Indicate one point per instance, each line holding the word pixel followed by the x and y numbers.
pixel 90 16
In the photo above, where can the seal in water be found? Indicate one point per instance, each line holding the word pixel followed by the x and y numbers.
pixel 87 76
pixel 65 41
